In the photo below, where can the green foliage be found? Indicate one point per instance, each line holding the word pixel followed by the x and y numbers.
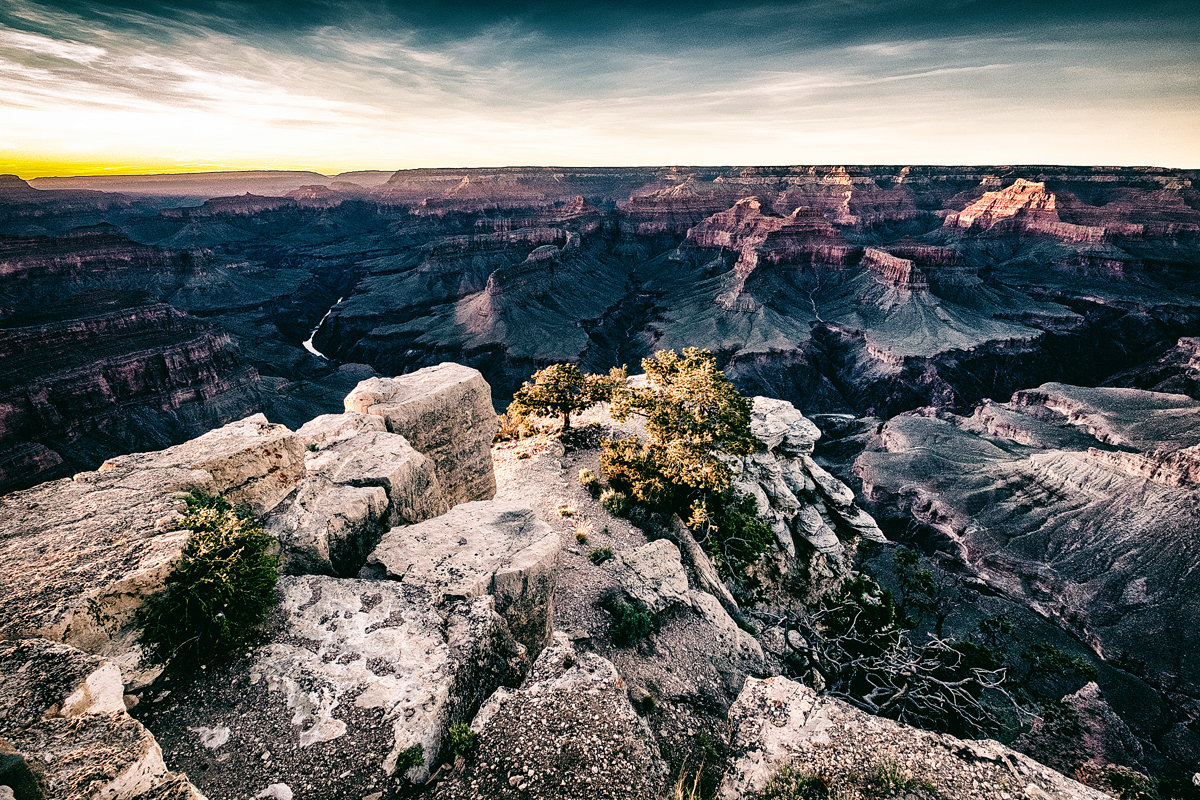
pixel 311 447
pixel 581 537
pixel 218 593
pixel 1053 673
pixel 461 739
pixel 694 416
pixel 410 758
pixel 614 502
pixel 512 427
pixel 918 589
pixel 731 531
pixel 863 615
pixel 631 623
pixel 1128 784
pixel 561 389
pixel 889 776
pixel 600 554
pixel 603 387
pixel 790 783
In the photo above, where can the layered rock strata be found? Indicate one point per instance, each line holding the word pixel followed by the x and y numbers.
pixel 808 509
pixel 1080 503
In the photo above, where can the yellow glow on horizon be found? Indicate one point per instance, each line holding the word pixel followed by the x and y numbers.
pixel 28 166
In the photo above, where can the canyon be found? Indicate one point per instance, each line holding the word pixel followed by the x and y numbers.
pixel 1002 364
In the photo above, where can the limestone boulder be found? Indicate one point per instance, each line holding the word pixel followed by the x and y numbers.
pixel 653 575
pixel 82 554
pixel 568 733
pixel 327 528
pixel 490 547
pixel 778 725
pixel 320 432
pixel 707 652
pixel 62 715
pixel 351 693
pixel 446 413
pixel 376 458
pixel 360 480
pixel 250 461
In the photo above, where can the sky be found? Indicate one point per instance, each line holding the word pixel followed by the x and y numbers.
pixel 192 85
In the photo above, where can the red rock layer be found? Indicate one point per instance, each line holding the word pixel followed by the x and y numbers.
pixel 88 386
pixel 899 272
pixel 803 237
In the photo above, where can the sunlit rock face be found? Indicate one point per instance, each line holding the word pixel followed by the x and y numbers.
pixel 778 724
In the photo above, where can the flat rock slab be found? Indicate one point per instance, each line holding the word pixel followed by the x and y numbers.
pixel 353 674
pixel 444 412
pixel 251 461
pixel 777 723
pixel 479 548
pixel 569 733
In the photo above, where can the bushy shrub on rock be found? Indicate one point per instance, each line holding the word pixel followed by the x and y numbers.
pixel 218 593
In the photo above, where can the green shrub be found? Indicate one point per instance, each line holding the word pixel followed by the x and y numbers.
pixel 513 426
pixel 600 554
pixel 790 783
pixel 889 776
pixel 218 593
pixel 1128 784
pixel 410 758
pixel 631 622
pixel 561 389
pixel 695 419
pixel 732 532
pixel 311 447
pixel 581 536
pixel 614 502
pixel 461 739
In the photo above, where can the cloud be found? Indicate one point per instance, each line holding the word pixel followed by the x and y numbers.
pixel 331 86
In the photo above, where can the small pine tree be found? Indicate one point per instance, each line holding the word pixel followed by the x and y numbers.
pixel 563 389
pixel 218 592
pixel 694 419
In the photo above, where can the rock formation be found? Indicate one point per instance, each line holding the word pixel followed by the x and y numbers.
pixel 808 509
pixel 482 548
pixel 779 725
pixel 93 547
pixel 446 413
pixel 579 737
pixel 871 290
pixel 407 616
pixel 62 713
pixel 1080 502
